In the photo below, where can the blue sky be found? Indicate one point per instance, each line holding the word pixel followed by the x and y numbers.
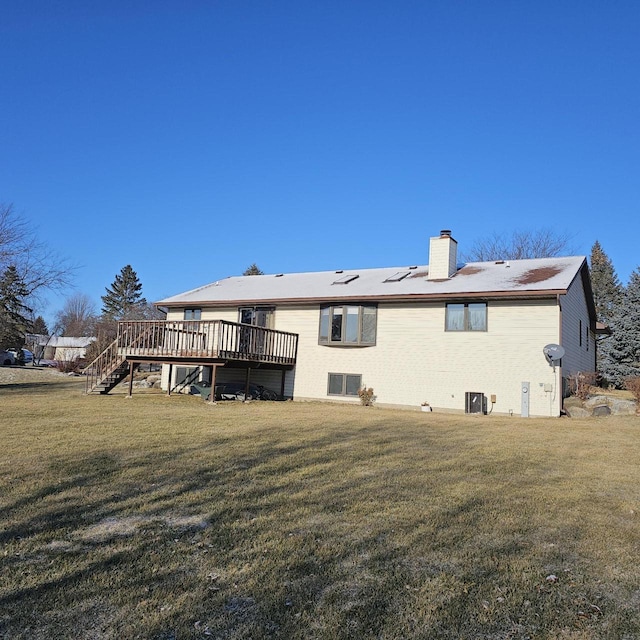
pixel 191 139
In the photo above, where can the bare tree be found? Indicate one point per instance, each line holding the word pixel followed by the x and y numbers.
pixel 520 245
pixel 77 317
pixel 39 267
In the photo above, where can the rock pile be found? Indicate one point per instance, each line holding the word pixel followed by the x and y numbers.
pixel 599 405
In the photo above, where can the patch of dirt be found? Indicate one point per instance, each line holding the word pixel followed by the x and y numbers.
pixel 127 526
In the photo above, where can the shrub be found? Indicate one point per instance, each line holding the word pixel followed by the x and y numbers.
pixel 69 366
pixel 632 383
pixel 580 383
pixel 366 396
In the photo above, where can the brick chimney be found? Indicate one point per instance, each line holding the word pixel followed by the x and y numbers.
pixel 443 256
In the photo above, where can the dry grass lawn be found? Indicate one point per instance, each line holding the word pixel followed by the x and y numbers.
pixel 169 518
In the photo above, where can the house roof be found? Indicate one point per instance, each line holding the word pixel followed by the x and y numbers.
pixel 515 278
pixel 66 341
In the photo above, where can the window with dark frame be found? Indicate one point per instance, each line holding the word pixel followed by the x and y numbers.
pixel 344 384
pixel 580 332
pixel 257 316
pixel 348 325
pixel 466 316
pixel 192 314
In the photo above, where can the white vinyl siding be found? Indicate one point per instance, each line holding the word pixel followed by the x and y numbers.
pixel 416 360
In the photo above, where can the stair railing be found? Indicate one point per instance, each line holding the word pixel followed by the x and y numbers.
pixel 102 366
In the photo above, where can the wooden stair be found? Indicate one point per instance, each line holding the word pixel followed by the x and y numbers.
pixel 107 370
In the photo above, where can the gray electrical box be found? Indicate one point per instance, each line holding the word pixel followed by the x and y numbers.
pixel 525 392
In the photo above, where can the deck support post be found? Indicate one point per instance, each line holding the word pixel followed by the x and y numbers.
pixel 282 384
pixel 212 395
pixel 130 378
pixel 170 379
pixel 246 383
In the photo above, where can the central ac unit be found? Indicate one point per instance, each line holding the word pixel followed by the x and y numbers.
pixel 475 402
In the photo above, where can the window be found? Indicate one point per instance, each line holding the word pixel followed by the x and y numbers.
pixel 470 316
pixel 580 332
pixel 257 316
pixel 348 325
pixel 186 375
pixel 192 314
pixel 344 384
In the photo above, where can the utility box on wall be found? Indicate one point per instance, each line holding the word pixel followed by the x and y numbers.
pixel 475 402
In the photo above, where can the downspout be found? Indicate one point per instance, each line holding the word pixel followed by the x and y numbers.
pixel 560 377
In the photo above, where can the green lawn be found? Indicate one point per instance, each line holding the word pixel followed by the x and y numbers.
pixel 169 518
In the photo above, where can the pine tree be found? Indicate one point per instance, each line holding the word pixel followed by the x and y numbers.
pixel 124 296
pixel 253 270
pixel 40 326
pixel 621 359
pixel 607 290
pixel 14 322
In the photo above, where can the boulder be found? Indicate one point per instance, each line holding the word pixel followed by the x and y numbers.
pixel 577 411
pixel 599 405
pixel 623 407
pixel 601 410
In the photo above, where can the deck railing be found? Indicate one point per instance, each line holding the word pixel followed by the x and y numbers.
pixel 206 339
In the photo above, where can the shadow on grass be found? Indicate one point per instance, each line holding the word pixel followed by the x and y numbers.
pixel 47 386
pixel 314 537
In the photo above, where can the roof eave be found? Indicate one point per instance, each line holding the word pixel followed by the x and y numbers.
pixel 413 297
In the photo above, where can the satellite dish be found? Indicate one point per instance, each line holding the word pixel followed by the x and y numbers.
pixel 553 353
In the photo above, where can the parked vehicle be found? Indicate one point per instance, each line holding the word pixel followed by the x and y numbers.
pixel 7 358
pixel 27 356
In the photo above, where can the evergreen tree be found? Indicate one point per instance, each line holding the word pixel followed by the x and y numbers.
pixel 607 290
pixel 14 322
pixel 40 326
pixel 124 296
pixel 253 270
pixel 621 359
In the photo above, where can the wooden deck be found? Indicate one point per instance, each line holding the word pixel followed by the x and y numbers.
pixel 213 341
pixel 190 342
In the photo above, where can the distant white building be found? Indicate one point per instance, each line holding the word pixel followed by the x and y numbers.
pixel 63 348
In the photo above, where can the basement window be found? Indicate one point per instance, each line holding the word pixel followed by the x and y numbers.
pixel 470 316
pixel 344 384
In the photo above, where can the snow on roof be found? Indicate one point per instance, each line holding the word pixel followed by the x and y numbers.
pixel 66 341
pixel 508 278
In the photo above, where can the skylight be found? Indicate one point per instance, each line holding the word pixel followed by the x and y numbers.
pixel 346 279
pixel 396 277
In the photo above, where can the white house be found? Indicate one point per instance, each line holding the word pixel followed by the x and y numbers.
pixel 61 348
pixel 467 337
